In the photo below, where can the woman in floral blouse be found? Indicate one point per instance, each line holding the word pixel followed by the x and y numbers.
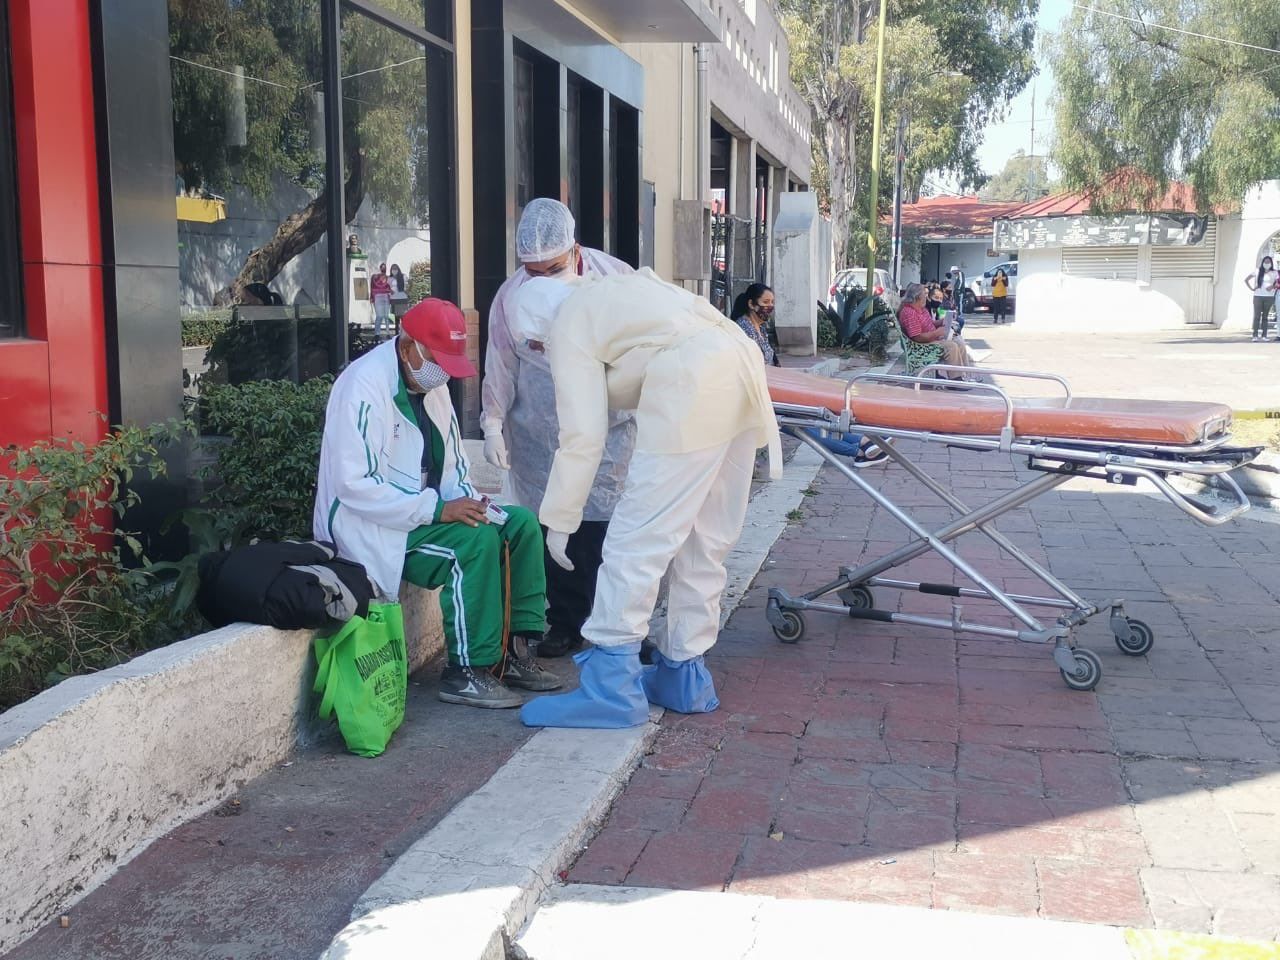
pixel 753 312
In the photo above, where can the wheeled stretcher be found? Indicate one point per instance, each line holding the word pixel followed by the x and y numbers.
pixel 1062 437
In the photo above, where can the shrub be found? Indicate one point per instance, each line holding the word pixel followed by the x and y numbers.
pixel 419 281
pixel 267 470
pixel 828 336
pixel 202 329
pixel 69 602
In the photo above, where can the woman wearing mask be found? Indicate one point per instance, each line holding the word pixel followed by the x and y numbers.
pixel 380 289
pixel 1000 296
pixel 1263 285
pixel 753 312
pixel 399 291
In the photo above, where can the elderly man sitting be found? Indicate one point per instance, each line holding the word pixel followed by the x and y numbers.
pixel 919 329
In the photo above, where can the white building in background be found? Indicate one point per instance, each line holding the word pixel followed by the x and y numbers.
pixel 1243 240
pixel 1162 268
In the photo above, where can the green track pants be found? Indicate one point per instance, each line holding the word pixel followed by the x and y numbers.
pixel 466 562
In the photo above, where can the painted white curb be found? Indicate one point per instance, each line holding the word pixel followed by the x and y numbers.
pixel 585 922
pixel 464 889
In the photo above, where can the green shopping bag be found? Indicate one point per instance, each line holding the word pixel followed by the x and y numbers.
pixel 363 675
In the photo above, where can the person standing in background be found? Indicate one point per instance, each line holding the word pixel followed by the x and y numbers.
pixel 380 290
pixel 399 292
pixel 1000 296
pixel 1263 285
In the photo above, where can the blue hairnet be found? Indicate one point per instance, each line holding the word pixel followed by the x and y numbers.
pixel 545 231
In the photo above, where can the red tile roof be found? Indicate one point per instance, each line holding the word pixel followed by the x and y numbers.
pixel 948 218
pixel 1125 191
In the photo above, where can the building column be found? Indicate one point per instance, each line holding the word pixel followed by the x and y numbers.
pixel 742 205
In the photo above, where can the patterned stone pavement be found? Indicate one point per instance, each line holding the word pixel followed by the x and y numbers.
pixel 884 763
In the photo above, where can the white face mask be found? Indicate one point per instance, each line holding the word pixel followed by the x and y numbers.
pixel 537 302
pixel 429 376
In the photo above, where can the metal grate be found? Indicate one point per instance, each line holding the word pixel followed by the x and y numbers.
pixel 1194 260
pixel 1101 263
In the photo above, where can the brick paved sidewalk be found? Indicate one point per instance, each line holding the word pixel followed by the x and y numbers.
pixel 882 763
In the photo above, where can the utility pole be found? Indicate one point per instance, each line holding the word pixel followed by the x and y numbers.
pixel 1031 156
pixel 900 156
pixel 874 202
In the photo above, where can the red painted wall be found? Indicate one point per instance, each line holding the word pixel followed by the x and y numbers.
pixel 54 382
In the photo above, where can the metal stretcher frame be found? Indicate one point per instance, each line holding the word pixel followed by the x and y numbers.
pixel 1056 460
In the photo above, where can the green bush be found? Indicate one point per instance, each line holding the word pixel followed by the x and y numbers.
pixel 266 472
pixel 419 281
pixel 69 601
pixel 202 329
pixel 828 336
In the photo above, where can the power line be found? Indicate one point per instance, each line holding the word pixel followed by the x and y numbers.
pixel 1161 26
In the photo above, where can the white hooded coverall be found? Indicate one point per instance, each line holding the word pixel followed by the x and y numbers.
pixel 518 393
pixel 702 409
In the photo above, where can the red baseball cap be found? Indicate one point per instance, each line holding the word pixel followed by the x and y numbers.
pixel 440 327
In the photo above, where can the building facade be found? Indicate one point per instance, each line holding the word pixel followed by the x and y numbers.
pixel 1128 269
pixel 201 192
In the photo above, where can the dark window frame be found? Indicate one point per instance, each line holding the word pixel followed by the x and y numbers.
pixel 10 250
pixel 441 172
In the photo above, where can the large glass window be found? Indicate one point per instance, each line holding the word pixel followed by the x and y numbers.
pixel 248 108
pixel 10 261
pixel 386 106
pixel 255 183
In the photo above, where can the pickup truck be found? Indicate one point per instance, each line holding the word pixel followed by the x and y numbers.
pixel 980 288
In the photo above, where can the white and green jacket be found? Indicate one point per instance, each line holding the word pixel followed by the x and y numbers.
pixel 371 492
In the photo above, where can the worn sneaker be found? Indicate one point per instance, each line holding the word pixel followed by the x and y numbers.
pixel 476 688
pixel 871 453
pixel 519 669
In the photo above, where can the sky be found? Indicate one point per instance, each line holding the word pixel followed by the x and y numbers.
pixel 1004 138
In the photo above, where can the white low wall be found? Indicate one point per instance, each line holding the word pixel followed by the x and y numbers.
pixel 1048 299
pixel 96 768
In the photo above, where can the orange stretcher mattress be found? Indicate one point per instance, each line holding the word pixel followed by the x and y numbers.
pixel 975 413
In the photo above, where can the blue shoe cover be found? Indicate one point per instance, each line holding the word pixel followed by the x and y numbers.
pixel 609 694
pixel 683 686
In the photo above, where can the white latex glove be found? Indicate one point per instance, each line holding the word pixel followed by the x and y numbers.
pixel 557 543
pixel 495 448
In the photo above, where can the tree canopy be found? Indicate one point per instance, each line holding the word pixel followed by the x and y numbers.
pixel 1023 178
pixel 1199 102
pixel 950 66
pixel 274 129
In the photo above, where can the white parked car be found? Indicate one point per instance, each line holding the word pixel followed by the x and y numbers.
pixel 980 287
pixel 852 277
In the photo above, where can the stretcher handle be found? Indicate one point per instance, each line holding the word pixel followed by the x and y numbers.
pixel 1001 372
pixel 1209 514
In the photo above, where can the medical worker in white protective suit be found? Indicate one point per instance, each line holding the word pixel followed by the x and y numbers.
pixel 519 416
pixel 702 409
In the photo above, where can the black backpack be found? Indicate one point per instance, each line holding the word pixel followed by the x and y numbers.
pixel 292 585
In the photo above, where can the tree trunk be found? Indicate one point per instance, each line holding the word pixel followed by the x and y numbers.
pixel 295 235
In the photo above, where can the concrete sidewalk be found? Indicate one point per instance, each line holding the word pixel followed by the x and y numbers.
pixel 884 764
pixel 275 873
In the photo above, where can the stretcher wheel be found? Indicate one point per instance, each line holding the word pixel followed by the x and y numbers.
pixel 1137 641
pixel 858 598
pixel 1087 673
pixel 792 628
